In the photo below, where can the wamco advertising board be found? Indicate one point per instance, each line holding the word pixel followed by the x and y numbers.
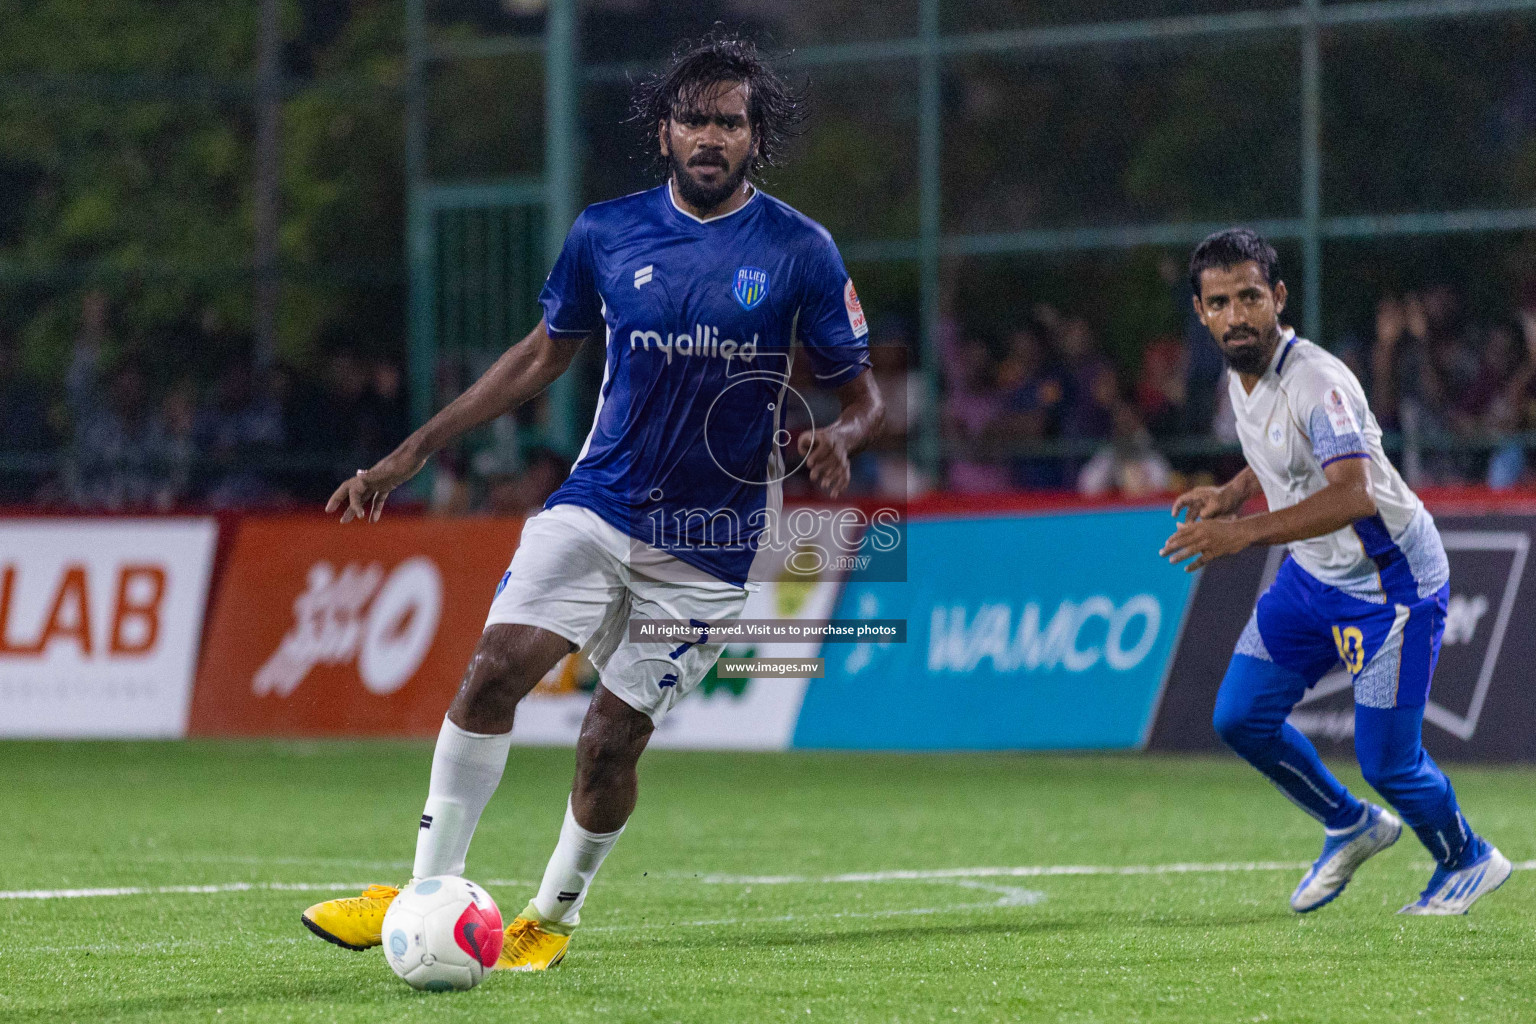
pixel 1024 632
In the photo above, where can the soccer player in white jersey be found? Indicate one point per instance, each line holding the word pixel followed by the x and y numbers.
pixel 1365 583
pixel 701 290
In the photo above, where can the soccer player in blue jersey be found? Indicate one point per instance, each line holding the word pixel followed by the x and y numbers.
pixel 1366 582
pixel 699 289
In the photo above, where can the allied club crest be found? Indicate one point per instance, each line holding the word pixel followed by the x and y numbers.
pixel 750 287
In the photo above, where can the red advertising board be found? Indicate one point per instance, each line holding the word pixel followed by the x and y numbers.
pixel 365 629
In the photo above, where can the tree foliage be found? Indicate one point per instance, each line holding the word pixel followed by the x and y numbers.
pixel 126 156
pixel 128 165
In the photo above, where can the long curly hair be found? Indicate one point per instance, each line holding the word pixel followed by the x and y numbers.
pixel 776 110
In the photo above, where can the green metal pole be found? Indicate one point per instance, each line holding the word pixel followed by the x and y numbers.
pixel 267 198
pixel 562 181
pixel 421 257
pixel 930 140
pixel 1311 176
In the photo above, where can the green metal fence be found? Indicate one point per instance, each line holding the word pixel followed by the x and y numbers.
pixel 453 274
pixel 934 50
pixel 478 248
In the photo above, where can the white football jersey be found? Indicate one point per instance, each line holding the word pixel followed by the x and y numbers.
pixel 1307 411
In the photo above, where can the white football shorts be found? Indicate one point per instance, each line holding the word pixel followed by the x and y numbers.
pixel 578 577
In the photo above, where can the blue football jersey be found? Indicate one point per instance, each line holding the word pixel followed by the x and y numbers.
pixel 700 318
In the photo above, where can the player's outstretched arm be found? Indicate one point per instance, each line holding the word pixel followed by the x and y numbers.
pixel 1345 499
pixel 1209 502
pixel 523 371
pixel 826 449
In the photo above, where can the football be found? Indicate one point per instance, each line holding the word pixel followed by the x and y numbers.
pixel 442 934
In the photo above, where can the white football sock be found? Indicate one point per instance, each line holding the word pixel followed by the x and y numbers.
pixel 466 768
pixel 571 869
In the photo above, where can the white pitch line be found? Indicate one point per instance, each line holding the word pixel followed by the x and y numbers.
pixel 326 862
pixel 728 922
pixel 168 946
pixel 176 890
pixel 723 922
pixel 938 874
pixel 1028 871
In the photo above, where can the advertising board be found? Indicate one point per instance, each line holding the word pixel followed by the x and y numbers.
pixel 99 624
pixel 1037 631
pixel 320 629
pixel 1482 705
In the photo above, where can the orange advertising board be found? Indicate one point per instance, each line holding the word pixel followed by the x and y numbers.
pixel 365 629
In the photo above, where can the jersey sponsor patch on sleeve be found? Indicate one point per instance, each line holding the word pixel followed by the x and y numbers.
pixel 855 311
pixel 1340 416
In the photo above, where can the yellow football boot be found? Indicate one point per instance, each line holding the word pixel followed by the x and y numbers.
pixel 532 944
pixel 356 922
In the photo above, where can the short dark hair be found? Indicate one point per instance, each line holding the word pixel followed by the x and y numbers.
pixel 1226 249
pixel 776 111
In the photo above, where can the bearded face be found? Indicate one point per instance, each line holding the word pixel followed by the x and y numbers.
pixel 1246 351
pixel 709 146
pixel 1242 312
pixel 707 179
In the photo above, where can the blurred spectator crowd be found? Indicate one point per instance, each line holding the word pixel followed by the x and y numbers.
pixel 111 437
pixel 1043 406
pixel 1046 408
pixel 1435 372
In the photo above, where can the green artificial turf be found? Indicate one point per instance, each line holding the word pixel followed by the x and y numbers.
pixel 674 931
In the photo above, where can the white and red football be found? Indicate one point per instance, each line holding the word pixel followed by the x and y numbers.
pixel 442 934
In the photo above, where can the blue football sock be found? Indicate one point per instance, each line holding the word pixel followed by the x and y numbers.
pixel 1251 708
pixel 1389 744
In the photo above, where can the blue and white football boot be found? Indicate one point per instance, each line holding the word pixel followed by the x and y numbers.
pixel 1454 892
pixel 1344 852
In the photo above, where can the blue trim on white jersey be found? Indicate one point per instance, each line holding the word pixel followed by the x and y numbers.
pixel 1290 344
pixel 1392 567
pixel 1330 446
